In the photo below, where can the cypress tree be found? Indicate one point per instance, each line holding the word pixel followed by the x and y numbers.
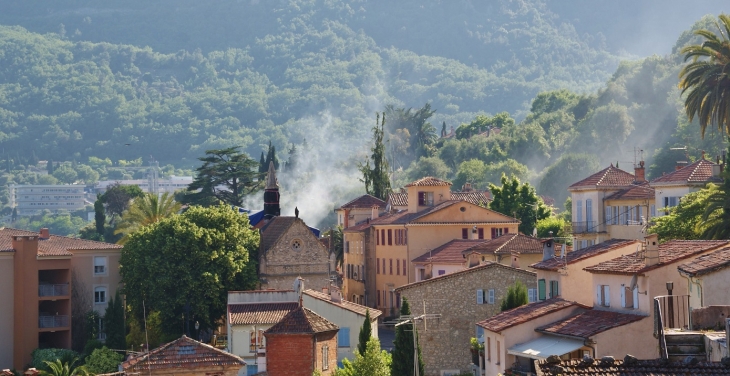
pixel 516 296
pixel 49 167
pixel 376 179
pixel 262 164
pixel 443 130
pixel 366 331
pixel 115 328
pixel 99 215
pixel 403 351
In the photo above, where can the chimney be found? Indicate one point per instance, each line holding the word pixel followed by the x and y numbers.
pixel 680 165
pixel 716 169
pixel 466 187
pixel 45 234
pixel 651 250
pixel 515 259
pixel 640 173
pixel 548 249
pixel 374 212
pixel 335 295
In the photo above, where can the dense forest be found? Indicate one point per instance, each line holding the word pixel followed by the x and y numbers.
pixel 82 81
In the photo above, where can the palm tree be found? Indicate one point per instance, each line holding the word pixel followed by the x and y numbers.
pixel 144 211
pixel 59 368
pixel 707 78
pixel 716 218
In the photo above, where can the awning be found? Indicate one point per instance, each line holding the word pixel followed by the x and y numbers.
pixel 545 346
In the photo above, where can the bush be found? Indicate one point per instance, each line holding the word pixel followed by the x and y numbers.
pixel 39 356
pixel 103 360
pixel 90 346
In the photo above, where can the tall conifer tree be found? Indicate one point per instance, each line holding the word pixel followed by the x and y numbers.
pixel 376 179
pixel 366 331
pixel 403 351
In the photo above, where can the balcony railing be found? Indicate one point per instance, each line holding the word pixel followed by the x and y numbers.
pixel 58 321
pixel 670 312
pixel 584 227
pixel 53 290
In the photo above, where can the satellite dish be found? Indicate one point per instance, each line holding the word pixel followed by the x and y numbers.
pixel 634 281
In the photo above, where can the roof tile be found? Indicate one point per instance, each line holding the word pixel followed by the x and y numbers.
pixel 619 367
pixel 589 323
pixel 350 306
pixel 507 243
pixel 429 181
pixel 53 246
pixel 302 321
pixel 669 252
pixel 640 191
pixel 364 201
pixel 259 313
pixel 697 172
pixel 182 354
pixel 608 177
pixel 708 263
pixel 450 252
pixel 460 273
pixel 556 263
pixel 525 313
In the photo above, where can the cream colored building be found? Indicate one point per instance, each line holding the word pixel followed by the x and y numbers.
pixel 670 188
pixel 358 210
pixel 707 278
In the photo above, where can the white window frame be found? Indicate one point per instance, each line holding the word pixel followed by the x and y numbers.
pixel 480 296
pixel 325 358
pixel 531 295
pixel 490 296
pixel 103 289
pixel 103 263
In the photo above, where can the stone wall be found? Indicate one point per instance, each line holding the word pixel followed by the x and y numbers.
pixel 445 341
pixel 711 317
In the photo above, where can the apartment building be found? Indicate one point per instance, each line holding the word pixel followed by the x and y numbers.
pixel 160 185
pixel 32 199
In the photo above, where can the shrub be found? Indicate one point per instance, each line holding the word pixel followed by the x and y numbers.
pixel 40 356
pixel 103 360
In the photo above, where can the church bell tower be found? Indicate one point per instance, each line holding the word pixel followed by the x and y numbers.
pixel 271 194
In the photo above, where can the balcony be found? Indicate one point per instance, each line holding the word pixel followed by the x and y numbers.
pixel 584 227
pixel 57 321
pixel 45 290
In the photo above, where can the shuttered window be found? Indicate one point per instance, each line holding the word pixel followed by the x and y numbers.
pixel 541 289
pixel 480 296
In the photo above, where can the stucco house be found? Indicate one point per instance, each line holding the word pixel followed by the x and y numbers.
pixel 670 188
pixel 358 210
pixel 444 259
pixel 514 249
pixel 461 298
pixel 708 278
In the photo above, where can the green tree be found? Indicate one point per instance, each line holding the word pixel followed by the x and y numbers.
pixel 519 201
pixel 65 174
pixel 555 224
pixel 49 167
pixel 114 324
pixel 230 169
pixel 429 166
pixel 569 168
pixel 103 360
pixel 366 332
pixel 716 216
pixel 40 357
pixel 262 164
pixel 60 368
pixel 372 362
pixel 516 296
pixel 205 252
pixel 376 179
pixel 116 199
pixel 336 239
pixel 684 221
pixel 145 210
pixel 706 79
pixel 99 215
pixel 403 350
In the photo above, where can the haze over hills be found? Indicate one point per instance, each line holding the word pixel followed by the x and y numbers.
pixel 76 79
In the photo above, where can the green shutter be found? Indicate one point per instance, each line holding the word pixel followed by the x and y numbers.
pixel 541 289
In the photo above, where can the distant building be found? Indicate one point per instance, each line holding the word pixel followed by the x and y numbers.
pixel 32 199
pixel 169 185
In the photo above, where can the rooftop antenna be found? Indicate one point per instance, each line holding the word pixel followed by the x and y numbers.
pixel 686 154
pixel 638 154
pixel 406 319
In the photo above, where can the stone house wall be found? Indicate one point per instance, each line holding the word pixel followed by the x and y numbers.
pixel 328 339
pixel 445 341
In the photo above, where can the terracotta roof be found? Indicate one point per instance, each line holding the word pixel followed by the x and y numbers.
pixel 525 313
pixel 556 263
pixel 259 313
pixel 480 267
pixel 182 354
pixel 634 192
pixel 302 321
pixel 398 198
pixel 708 263
pixel 350 306
pixel 632 367
pixel 698 172
pixel 589 323
pixel 274 229
pixel 669 252
pixel 450 252
pixel 364 201
pixel 608 177
pixel 53 246
pixel 429 181
pixel 507 243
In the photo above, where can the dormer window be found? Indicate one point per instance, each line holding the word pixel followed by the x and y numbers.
pixel 425 198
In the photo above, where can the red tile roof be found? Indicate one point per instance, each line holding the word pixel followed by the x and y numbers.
pixel 350 306
pixel 669 252
pixel 608 177
pixel 259 313
pixel 450 253
pixel 53 246
pixel 556 263
pixel 183 355
pixel 507 243
pixel 525 313
pixel 302 321
pixel 589 323
pixel 398 198
pixel 634 192
pixel 481 267
pixel 472 197
pixel 708 263
pixel 429 181
pixel 364 201
pixel 698 172
pixel 623 367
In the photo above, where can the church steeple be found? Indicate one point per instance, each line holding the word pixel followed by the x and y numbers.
pixel 271 194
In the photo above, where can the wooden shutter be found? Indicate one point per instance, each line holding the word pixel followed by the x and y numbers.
pixel 606 295
pixel 506 231
pixel 491 296
pixel 397 266
pixel 599 295
pixel 480 296
pixel 390 237
pixel 494 232
pixel 465 233
pixel 421 198
pixel 541 289
pixel 623 296
pixel 636 297
pixel 481 233
pixel 377 261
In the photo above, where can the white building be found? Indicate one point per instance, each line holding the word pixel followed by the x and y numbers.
pixel 169 185
pixel 32 199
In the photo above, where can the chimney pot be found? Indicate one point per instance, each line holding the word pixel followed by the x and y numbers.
pixel 640 172
pixel 515 259
pixel 44 233
pixel 374 212
pixel 651 253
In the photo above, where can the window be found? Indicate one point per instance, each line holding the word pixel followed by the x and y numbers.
pixel 347 246
pixel 609 215
pixel 541 289
pixel 397 266
pixel 589 210
pixel 480 296
pixel 404 267
pixel 383 265
pixel 442 272
pixel 603 294
pixel 627 297
pixel 554 289
pixel 256 339
pixel 100 295
pixel 377 262
pixel 481 233
pixel 343 337
pixel 465 233
pixel 490 296
pixel 391 266
pixel 652 210
pixel 390 237
pixel 397 300
pixel 102 330
pixel 531 295
pixel 377 237
pixel 325 358
pixel 425 198
pixel 99 265
pixel 579 211
pixel 497 232
pixel 378 293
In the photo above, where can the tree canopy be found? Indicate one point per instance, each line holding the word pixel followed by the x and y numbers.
pixel 227 175
pixel 519 201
